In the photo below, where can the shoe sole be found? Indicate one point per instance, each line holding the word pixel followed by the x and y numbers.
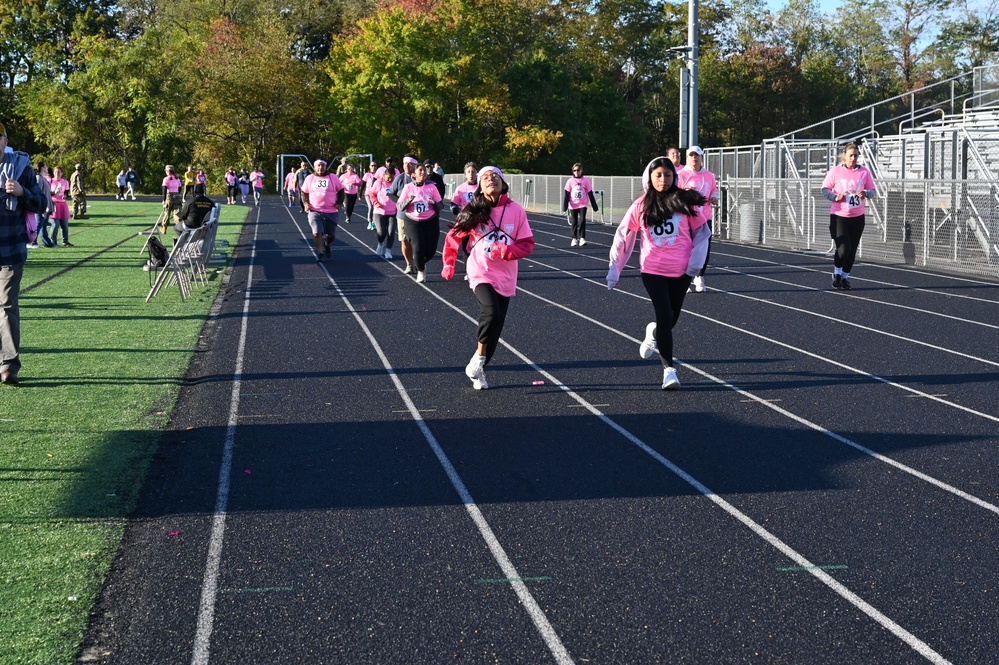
pixel 672 385
pixel 648 346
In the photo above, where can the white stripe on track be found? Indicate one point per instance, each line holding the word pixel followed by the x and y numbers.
pixel 209 586
pixel 908 638
pixel 534 611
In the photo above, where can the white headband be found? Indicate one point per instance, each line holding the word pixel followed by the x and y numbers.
pixel 410 160
pixel 494 169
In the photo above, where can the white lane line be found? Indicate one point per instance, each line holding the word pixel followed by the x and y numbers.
pixel 936 292
pixel 534 611
pixel 209 586
pixel 908 638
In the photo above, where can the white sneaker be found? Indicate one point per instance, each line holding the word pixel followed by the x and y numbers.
pixel 670 382
pixel 648 345
pixel 32 245
pixel 380 249
pixel 420 276
pixel 387 254
pixel 573 243
pixel 582 241
pixel 474 370
pixel 699 284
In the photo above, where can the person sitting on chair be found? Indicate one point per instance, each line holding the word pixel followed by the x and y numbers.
pixel 194 214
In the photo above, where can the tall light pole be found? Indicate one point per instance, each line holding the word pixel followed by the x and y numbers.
pixel 689 78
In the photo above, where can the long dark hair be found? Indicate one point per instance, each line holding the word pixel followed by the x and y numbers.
pixel 477 211
pixel 661 205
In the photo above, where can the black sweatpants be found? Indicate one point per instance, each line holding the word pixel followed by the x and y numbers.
pixel 424 237
pixel 350 200
pixel 578 218
pixel 846 233
pixel 492 316
pixel 667 294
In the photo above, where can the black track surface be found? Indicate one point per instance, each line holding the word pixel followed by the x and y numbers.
pixel 809 413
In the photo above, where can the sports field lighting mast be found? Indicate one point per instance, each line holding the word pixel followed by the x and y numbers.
pixel 689 77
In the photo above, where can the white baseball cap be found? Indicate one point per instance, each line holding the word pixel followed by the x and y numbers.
pixel 695 149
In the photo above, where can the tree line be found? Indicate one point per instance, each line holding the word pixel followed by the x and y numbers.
pixel 532 85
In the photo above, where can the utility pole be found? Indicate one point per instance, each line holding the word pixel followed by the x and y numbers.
pixel 689 79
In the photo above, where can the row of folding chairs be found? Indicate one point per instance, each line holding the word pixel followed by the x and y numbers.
pixel 187 265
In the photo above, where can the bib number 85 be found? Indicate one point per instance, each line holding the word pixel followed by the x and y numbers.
pixel 664 228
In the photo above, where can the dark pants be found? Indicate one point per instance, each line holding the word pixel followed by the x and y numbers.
pixel 707 256
pixel 578 218
pixel 54 226
pixel 846 233
pixel 43 230
pixel 349 201
pixel 424 236
pixel 10 317
pixel 492 316
pixel 385 229
pixel 666 294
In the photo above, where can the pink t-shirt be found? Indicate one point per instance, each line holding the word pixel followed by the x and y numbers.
pixel 59 188
pixel 368 178
pixel 257 179
pixel 841 180
pixel 201 179
pixel 172 184
pixel 383 204
pixel 463 194
pixel 421 199
pixel 231 178
pixel 381 170
pixel 322 191
pixel 666 245
pixel 579 189
pixel 289 182
pixel 507 224
pixel 350 182
pixel 703 181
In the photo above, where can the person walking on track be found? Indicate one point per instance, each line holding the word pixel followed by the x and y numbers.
pixel 322 194
pixel 369 179
pixel 384 212
pixel 673 236
pixel 695 176
pixel 351 183
pixel 577 190
pixel 420 202
pixel 848 186
pixel 498 234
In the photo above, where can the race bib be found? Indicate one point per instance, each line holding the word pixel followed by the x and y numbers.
pixel 854 200
pixel 419 207
pixel 577 193
pixel 321 184
pixel 664 232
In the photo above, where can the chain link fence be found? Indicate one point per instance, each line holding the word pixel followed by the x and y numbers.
pixel 950 225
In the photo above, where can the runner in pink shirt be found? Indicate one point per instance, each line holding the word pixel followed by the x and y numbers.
pixel 674 236
pixel 695 176
pixel 257 181
pixel 230 185
pixel 464 192
pixel 60 218
pixel 384 212
pixel 290 187
pixel 171 197
pixel 351 184
pixel 421 204
pixel 848 186
pixel 499 234
pixel 321 194
pixel 369 178
pixel 577 190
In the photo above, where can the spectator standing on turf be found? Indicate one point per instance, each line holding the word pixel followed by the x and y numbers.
pixel 78 188
pixel 257 180
pixel 231 185
pixel 290 187
pixel 131 177
pixel 409 163
pixel 674 156
pixel 848 185
pixel 322 193
pixel 19 195
pixel 498 235
pixel 122 182
pixel 369 179
pixel 673 237
pixel 577 190
pixel 384 212
pixel 200 183
pixel 351 183
pixel 420 202
pixel 695 176
pixel 171 197
pixel 60 209
pixel 244 183
pixel 42 177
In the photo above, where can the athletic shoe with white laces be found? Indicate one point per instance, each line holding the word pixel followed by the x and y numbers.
pixel 421 276
pixel 408 270
pixel 648 345
pixel 573 243
pixel 387 254
pixel 670 382
pixel 699 284
pixel 476 372
pixel 582 242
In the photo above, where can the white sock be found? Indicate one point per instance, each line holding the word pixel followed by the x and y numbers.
pixel 846 275
pixel 838 271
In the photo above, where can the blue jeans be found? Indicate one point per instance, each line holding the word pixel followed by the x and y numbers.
pixel 54 227
pixel 43 230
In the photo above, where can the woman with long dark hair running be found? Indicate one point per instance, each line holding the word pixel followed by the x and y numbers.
pixel 674 243
pixel 847 185
pixel 498 235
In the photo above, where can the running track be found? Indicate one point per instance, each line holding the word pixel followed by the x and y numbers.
pixel 822 489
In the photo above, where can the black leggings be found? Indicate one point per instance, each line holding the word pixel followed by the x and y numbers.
pixel 846 232
pixel 578 219
pixel 667 295
pixel 385 229
pixel 492 316
pixel 424 236
pixel 349 200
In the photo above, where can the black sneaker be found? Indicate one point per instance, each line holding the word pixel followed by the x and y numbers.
pixel 329 252
pixel 845 284
pixel 837 282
